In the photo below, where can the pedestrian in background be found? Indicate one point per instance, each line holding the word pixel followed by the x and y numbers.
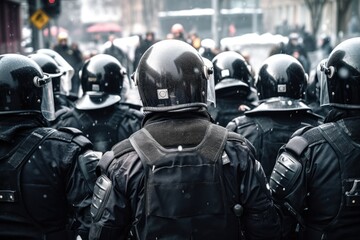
pixel 73 56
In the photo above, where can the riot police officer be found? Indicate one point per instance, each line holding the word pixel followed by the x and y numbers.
pixel 316 176
pixel 233 87
pixel 46 175
pixel 99 113
pixel 181 176
pixel 281 85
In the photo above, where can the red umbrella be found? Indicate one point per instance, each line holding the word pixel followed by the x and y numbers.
pixel 54 31
pixel 104 27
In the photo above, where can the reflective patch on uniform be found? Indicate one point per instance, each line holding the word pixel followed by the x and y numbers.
pixel 225 158
pixel 225 73
pixel 162 94
pixel 100 196
pixel 281 88
pixel 285 173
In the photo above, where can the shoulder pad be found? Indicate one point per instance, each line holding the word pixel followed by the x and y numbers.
pixel 300 131
pixel 87 164
pixel 101 195
pixel 302 138
pixel 122 147
pixel 116 151
pixel 297 145
pixel 231 126
pixel 71 130
pixel 77 136
pixel 286 171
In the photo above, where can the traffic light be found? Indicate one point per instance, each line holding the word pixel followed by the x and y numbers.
pixel 51 7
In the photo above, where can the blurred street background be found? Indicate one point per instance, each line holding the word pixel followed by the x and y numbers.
pixel 252 27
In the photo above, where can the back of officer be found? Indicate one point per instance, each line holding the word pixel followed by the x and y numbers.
pixel 234 93
pixel 46 175
pixel 281 84
pixel 180 176
pixel 99 113
pixel 316 177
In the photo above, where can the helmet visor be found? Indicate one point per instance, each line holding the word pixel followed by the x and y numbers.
pixel 211 101
pixel 47 103
pixel 65 80
pixel 324 94
pixel 209 73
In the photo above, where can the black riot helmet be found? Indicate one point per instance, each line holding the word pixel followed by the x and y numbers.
pixel 340 85
pixel 102 79
pixel 172 76
pixel 66 78
pixel 231 73
pixel 49 66
pixel 24 88
pixel 281 75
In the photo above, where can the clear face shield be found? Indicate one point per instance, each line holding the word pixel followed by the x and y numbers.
pixel 65 80
pixel 323 74
pixel 209 73
pixel 47 103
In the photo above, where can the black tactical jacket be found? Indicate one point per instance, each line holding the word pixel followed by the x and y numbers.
pixel 315 181
pixel 268 127
pixel 243 178
pixel 104 127
pixel 54 183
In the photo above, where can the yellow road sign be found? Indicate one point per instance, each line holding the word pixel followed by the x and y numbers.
pixel 39 19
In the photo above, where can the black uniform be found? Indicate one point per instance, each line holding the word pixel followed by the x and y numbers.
pixel 182 177
pixel 99 113
pixel 229 107
pixel 46 180
pixel 316 178
pixel 270 125
pixel 104 126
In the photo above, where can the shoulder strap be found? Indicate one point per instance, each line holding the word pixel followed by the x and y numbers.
pixel 117 150
pixel 302 138
pixel 28 146
pixel 336 138
pixel 149 150
pixel 77 136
